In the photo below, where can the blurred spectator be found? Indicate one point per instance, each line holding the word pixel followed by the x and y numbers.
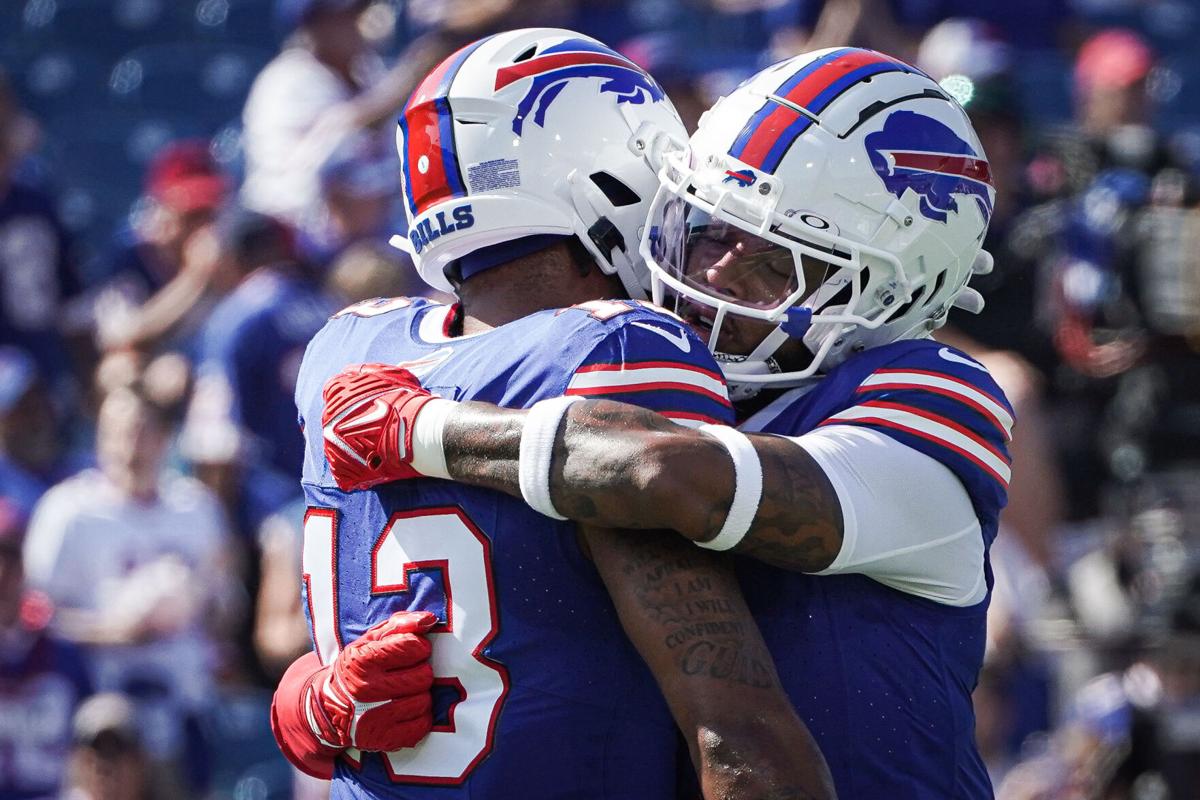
pixel 160 268
pixel 135 558
pixel 301 105
pixel 1110 81
pixel 33 453
pixel 370 269
pixel 327 85
pixel 37 276
pixel 1114 251
pixel 804 25
pixel 108 761
pixel 238 427
pixel 360 189
pixel 42 679
pixel 1112 118
pixel 1133 732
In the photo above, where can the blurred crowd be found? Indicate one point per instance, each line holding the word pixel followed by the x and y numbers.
pixel 188 192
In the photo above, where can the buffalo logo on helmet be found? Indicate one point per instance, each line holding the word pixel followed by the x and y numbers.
pixel 913 151
pixel 742 177
pixel 553 67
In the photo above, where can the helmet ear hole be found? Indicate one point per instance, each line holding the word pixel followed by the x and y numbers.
pixel 938 283
pixel 924 295
pixel 618 193
pixel 911 304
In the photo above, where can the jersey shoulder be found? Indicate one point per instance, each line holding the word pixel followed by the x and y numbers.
pixel 358 326
pixel 934 399
pixel 629 331
pixel 642 354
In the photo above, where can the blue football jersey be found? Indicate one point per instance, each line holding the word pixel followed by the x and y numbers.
pixel 883 678
pixel 250 353
pixel 538 692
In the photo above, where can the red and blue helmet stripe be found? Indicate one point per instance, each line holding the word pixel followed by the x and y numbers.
pixel 553 67
pixel 565 54
pixel 428 128
pixel 772 130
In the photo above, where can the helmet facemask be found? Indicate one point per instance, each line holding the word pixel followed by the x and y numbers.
pixel 777 294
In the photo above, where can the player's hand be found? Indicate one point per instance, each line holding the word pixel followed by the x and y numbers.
pixel 370 410
pixel 376 695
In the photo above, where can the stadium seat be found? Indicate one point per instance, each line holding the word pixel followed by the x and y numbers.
pixel 58 81
pixel 1044 85
pixel 99 176
pixel 1176 87
pixel 247 22
pixel 102 27
pixel 205 83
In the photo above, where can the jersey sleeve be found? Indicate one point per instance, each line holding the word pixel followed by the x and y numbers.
pixel 653 361
pixel 907 521
pixel 946 406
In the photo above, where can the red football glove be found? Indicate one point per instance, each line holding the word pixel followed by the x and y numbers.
pixel 376 695
pixel 368 424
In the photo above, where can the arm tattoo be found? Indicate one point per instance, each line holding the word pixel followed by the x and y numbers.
pixel 620 466
pixel 799 520
pixel 482 444
pixel 683 609
pixel 693 606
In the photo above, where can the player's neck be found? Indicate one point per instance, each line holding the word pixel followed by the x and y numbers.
pixel 512 291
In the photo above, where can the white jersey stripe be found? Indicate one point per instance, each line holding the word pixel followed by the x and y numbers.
pixel 632 376
pixel 920 380
pixel 932 430
pixel 687 422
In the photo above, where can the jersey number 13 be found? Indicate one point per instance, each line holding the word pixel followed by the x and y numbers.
pixel 440 539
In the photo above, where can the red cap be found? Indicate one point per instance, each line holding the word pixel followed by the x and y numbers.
pixel 1115 58
pixel 185 177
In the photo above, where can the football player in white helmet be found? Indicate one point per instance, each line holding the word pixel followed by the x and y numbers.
pixel 807 221
pixel 819 225
pixel 527 178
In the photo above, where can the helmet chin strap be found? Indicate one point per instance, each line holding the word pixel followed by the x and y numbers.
pixel 737 368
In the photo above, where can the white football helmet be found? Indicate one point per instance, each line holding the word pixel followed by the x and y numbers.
pixel 840 195
pixel 532 133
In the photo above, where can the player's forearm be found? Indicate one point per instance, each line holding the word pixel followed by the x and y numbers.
pixel 614 465
pixel 620 466
pixel 741 762
pixel 683 610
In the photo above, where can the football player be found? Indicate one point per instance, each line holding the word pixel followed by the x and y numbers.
pixel 821 223
pixel 527 181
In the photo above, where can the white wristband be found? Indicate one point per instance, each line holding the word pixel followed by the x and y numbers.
pixel 747 491
pixel 537 451
pixel 428 455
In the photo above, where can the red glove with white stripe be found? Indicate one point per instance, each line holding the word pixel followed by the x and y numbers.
pixel 376 694
pixel 370 410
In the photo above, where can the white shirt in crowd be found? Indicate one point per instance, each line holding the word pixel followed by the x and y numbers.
pixel 90 548
pixel 288 133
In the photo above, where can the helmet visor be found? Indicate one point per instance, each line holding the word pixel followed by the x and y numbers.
pixel 716 258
